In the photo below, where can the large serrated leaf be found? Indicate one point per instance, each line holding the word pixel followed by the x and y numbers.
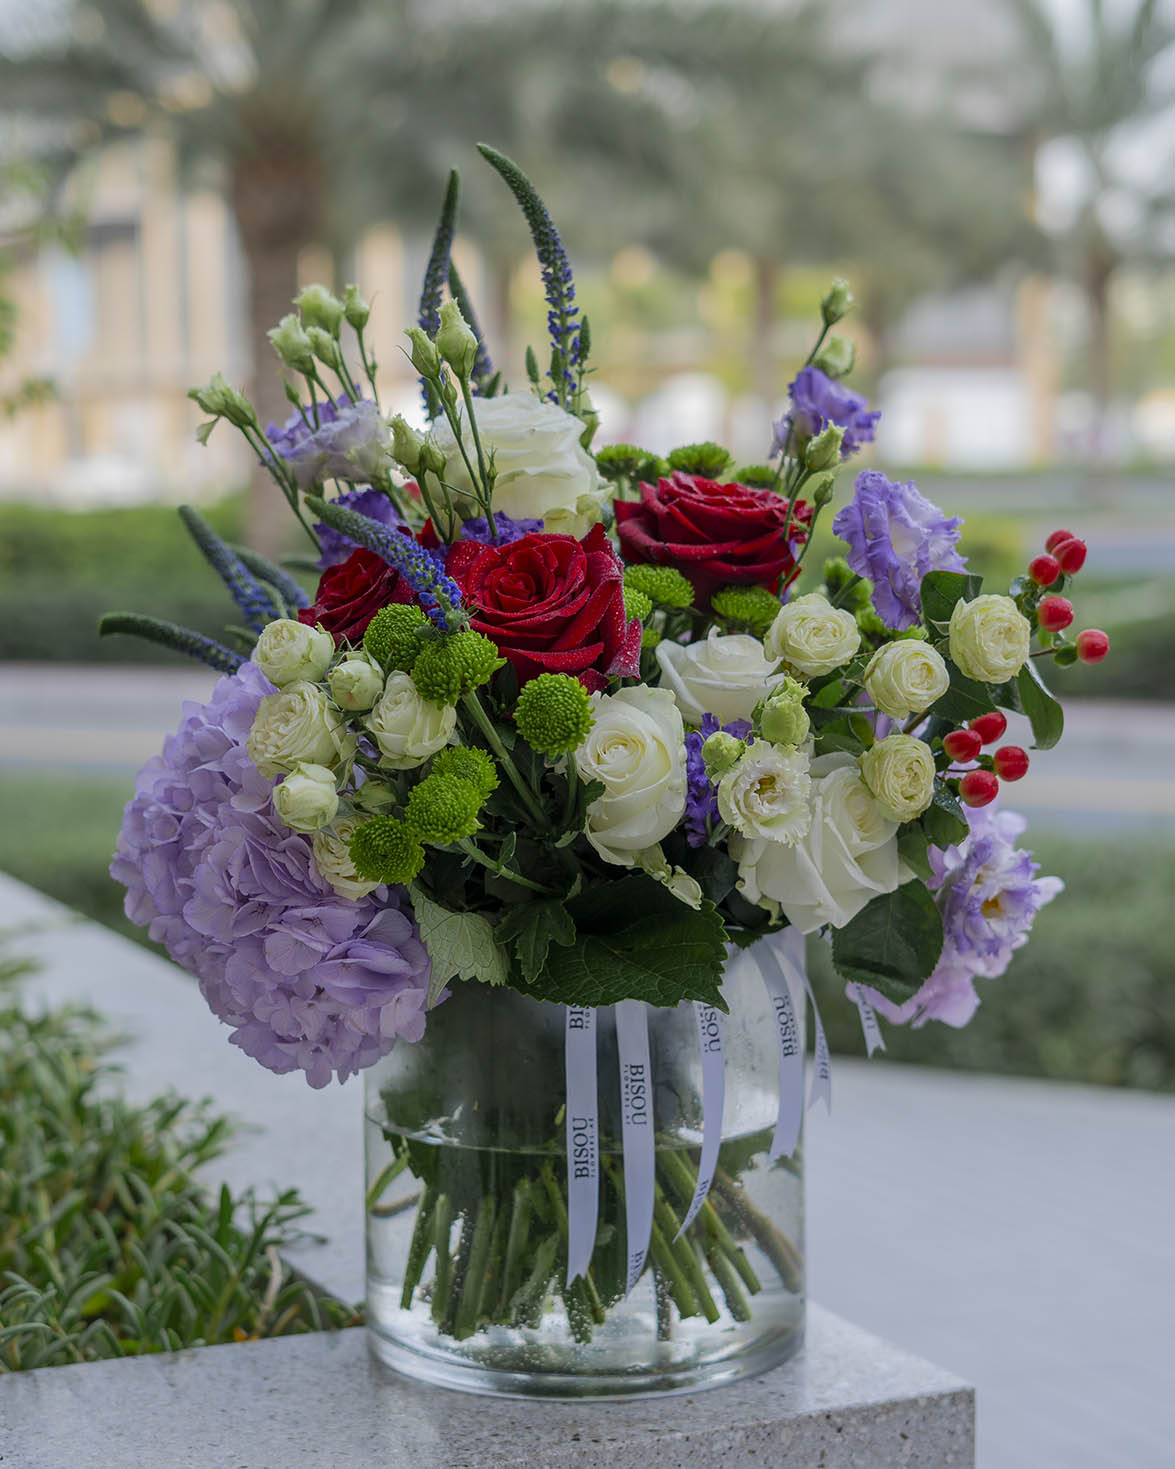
pixel 944 820
pixel 893 944
pixel 941 590
pixel 964 701
pixel 460 945
pixel 530 929
pixel 1044 712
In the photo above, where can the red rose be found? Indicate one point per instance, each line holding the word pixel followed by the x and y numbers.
pixel 350 594
pixel 552 604
pixel 717 535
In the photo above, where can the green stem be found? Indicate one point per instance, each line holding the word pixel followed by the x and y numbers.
pixel 443 1280
pixel 481 461
pixel 676 1170
pixel 772 1241
pixel 516 1243
pixel 668 1224
pixel 466 846
pixel 391 1172
pixel 572 785
pixel 479 716
pixel 727 1278
pixel 666 1262
pixel 368 367
pixel 527 1303
pixel 473 1286
pixel 419 1248
pixel 846 589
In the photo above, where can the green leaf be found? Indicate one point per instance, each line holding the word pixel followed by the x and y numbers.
pixel 912 844
pixel 530 929
pixel 636 941
pixel 893 944
pixel 460 945
pixel 1037 701
pixel 941 590
pixel 964 700
pixel 943 820
pixel 830 742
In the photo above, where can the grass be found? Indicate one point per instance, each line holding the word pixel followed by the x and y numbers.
pixel 109 1246
pixel 1091 998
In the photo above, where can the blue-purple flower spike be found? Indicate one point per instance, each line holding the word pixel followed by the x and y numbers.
pixel 253 598
pixel 562 312
pixel 483 369
pixel 436 274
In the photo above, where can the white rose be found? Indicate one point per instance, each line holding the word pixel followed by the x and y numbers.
pixel 289 650
pixel 407 728
pixel 636 747
pixel 989 638
pixel 725 675
pixel 812 635
pixel 332 856
pixel 848 857
pixel 307 799
pixel 297 725
pixel 899 770
pixel 356 682
pixel 766 794
pixel 542 470
pixel 906 677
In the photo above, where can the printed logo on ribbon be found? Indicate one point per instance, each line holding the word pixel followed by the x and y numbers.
pixel 791 953
pixel 709 1023
pixel 583 1148
pixel 869 1026
pixel 636 1118
pixel 791 1056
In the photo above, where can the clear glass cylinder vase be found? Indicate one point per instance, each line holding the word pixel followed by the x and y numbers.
pixel 467 1215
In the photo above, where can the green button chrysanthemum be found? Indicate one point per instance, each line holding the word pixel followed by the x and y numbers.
pixel 443 809
pixel 395 634
pixel 553 714
pixel 469 764
pixel 637 604
pixel 450 666
pixel 385 849
pixel 751 607
pixel 663 585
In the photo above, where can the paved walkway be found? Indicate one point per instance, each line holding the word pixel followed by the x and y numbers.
pixel 1017 1233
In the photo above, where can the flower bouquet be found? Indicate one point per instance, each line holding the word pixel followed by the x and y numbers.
pixel 548 782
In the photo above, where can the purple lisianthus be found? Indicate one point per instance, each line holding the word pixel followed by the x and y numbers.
pixel 701 798
pixel 507 529
pixel 894 537
pixel 352 442
pixel 988 895
pixel 818 400
pixel 336 547
pixel 307 979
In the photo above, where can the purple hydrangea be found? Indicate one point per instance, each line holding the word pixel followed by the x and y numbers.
pixel 894 537
pixel 818 400
pixel 307 979
pixel 350 443
pixel 336 547
pixel 988 895
pixel 506 527
pixel 701 798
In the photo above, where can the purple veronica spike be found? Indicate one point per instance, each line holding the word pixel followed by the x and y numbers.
pixel 894 537
pixel 701 798
pixel 508 529
pixel 336 547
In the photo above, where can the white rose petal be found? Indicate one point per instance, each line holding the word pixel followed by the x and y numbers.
pixel 989 638
pixel 725 675
pixel 298 725
pixel 332 856
pixel 636 747
pixel 906 677
pixel 766 794
pixel 542 470
pixel 287 651
pixel 813 636
pixel 899 770
pixel 307 799
pixel 848 857
pixel 407 728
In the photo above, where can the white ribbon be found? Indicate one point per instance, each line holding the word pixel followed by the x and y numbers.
pixel 583 1148
pixel 709 1023
pixel 869 1026
pixel 636 1118
pixel 791 1055
pixel 793 957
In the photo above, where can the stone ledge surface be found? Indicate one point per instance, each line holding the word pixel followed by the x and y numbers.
pixel 848 1401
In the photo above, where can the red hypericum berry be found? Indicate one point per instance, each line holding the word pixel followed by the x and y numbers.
pixel 1044 570
pixel 1054 613
pixel 1070 555
pixel 1092 645
pixel 1011 762
pixel 990 727
pixel 963 744
pixel 1057 537
pixel 978 788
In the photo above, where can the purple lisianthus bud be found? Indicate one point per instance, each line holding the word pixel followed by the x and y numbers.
pixel 895 536
pixel 816 401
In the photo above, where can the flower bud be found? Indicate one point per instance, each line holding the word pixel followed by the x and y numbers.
pixel 222 400
pixel 292 345
pixel 899 770
pixel 781 717
pixel 355 683
pixel 355 308
pixel 823 491
pixel 324 346
pixel 837 303
pixel 721 751
pixel 432 457
pixel 823 452
pixel 320 308
pixel 836 357
pixel 406 444
pixel 306 800
pixel 425 357
pixel 455 341
pixel 287 651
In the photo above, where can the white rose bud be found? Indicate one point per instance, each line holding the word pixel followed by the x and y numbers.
pixel 899 770
pixel 307 800
pixel 455 341
pixel 636 747
pixel 356 682
pixel 298 725
pixel 725 675
pixel 332 856
pixel 812 635
pixel 288 651
pixel 407 728
pixel 906 677
pixel 848 857
pixel 766 794
pixel 989 638
pixel 542 471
